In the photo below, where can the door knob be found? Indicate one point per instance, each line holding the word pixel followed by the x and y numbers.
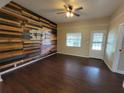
pixel 120 50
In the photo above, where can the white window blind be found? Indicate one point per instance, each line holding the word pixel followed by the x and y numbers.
pixel 73 39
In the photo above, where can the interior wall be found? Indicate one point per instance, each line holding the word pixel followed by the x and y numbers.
pixel 85 27
pixel 116 19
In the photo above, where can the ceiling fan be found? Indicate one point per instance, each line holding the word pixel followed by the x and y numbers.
pixel 70 11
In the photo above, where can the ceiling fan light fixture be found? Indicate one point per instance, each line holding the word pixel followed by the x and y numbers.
pixel 68 14
pixel 71 14
pixel 70 11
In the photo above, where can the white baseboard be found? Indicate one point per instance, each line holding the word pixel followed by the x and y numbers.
pixel 120 71
pixel 110 68
pixel 73 55
pixel 14 68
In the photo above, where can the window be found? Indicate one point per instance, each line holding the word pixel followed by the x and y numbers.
pixel 97 41
pixel 73 39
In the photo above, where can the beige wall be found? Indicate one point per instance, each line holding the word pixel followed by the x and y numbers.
pixel 85 27
pixel 116 19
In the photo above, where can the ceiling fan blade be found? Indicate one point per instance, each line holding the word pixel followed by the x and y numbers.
pixel 79 8
pixel 60 12
pixel 76 14
pixel 66 7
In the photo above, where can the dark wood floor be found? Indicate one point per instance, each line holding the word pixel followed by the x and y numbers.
pixel 63 74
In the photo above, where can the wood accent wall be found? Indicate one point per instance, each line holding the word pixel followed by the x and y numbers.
pixel 16 43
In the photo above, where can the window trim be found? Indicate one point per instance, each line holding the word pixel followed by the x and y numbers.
pixel 74 39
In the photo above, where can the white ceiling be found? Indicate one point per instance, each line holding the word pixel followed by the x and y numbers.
pixel 4 2
pixel 92 8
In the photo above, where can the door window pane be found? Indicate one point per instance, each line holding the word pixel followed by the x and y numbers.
pixel 98 37
pixel 96 46
pixel 97 41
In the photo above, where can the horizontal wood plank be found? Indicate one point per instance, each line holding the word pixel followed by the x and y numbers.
pixel 5 27
pixel 10 54
pixel 25 13
pixel 10 33
pixel 15 5
pixel 13 14
pixel 6 47
pixel 10 21
pixel 30 48
pixel 10 40
pixel 12 10
pixel 31 42
pixel 31 26
pixel 34 22
pixel 31 51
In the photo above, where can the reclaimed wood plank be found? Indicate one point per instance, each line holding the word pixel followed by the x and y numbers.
pixel 5 27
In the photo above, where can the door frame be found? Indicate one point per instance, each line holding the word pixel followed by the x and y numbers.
pixel 118 47
pixel 104 42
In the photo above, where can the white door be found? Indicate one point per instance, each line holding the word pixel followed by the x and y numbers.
pixel 97 44
pixel 121 49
